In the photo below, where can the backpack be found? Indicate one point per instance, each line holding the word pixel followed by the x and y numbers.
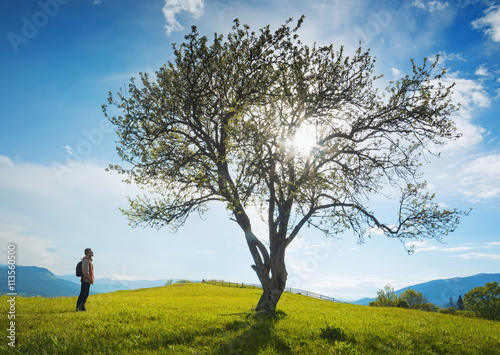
pixel 79 271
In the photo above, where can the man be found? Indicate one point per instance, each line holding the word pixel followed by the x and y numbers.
pixel 87 279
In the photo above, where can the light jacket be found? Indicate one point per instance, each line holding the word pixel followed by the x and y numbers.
pixel 88 270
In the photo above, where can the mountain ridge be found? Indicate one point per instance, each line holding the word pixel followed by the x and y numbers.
pixel 440 291
pixel 37 281
pixel 32 281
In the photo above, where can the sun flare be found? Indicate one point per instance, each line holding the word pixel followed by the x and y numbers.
pixel 304 140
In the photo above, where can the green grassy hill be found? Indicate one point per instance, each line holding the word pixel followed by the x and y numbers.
pixel 209 319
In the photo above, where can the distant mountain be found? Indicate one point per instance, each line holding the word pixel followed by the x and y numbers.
pixel 104 285
pixel 36 281
pixel 363 302
pixel 439 292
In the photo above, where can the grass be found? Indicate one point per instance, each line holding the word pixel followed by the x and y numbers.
pixel 209 319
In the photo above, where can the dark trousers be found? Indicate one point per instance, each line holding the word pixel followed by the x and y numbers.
pixel 84 293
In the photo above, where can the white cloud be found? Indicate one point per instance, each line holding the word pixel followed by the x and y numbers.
pixel 424 246
pixel 454 249
pixel 174 7
pixel 479 179
pixel 429 248
pixel 478 256
pixel 451 56
pixel 470 95
pixel 482 71
pixel 419 3
pixel 467 92
pixel 490 23
pixel 396 72
pixel 431 6
pixel 437 5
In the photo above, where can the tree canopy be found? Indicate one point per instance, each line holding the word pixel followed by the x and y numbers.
pixel 299 132
pixel 408 299
pixel 484 301
pixel 386 297
pixel 415 299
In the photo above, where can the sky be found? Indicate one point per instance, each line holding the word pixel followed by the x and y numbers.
pixel 60 58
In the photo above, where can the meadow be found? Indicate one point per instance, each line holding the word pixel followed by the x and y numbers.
pixel 199 318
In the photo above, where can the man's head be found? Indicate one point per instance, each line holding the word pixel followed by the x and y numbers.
pixel 88 252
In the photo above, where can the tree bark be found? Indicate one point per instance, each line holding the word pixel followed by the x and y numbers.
pixel 271 272
pixel 272 288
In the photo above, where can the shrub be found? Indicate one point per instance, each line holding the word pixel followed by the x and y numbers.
pixel 447 310
pixel 332 333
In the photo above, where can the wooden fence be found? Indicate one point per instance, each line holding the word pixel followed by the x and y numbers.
pixel 287 289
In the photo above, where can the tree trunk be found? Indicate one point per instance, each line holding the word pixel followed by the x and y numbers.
pixel 270 270
pixel 272 290
pixel 274 283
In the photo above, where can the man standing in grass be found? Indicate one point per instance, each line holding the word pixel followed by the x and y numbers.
pixel 87 279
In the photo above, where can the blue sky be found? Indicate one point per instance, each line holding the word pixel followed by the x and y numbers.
pixel 59 58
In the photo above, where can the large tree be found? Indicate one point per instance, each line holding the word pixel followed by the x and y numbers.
pixel 260 120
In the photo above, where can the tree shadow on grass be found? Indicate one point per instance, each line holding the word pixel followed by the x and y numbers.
pixel 249 334
pixel 258 333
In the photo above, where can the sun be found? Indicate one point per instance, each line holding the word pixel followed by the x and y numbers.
pixel 304 140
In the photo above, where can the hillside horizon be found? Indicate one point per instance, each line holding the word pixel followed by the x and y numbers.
pixel 203 318
pixel 39 281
